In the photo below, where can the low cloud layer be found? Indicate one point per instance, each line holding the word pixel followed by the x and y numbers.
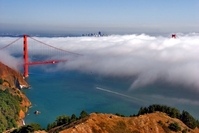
pixel 144 58
pixel 8 60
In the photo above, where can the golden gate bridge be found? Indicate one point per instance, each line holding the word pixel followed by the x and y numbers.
pixel 46 50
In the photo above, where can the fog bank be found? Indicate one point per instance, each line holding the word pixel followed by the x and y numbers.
pixel 143 57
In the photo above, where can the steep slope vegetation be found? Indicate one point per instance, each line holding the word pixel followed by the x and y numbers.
pixel 13 103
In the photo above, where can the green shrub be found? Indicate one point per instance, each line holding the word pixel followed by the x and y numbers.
pixel 185 117
pixel 63 119
pixel 160 122
pixel 73 118
pixel 172 112
pixel 184 131
pixel 1 81
pixel 9 110
pixel 60 120
pixel 30 128
pixel 83 114
pixel 188 120
pixel 174 127
pixel 118 114
pixel 197 122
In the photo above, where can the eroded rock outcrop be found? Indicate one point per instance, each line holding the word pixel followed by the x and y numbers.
pixel 13 81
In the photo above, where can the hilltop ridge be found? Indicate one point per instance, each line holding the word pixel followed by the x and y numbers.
pixel 157 122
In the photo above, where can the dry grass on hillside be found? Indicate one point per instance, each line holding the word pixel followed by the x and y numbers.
pixel 108 123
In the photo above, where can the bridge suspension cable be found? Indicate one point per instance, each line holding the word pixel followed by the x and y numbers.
pixel 56 47
pixel 10 43
pixel 44 53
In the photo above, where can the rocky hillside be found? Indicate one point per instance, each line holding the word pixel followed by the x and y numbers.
pixel 13 78
pixel 11 82
pixel 157 122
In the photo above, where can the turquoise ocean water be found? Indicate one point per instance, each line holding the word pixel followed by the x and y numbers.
pixel 68 92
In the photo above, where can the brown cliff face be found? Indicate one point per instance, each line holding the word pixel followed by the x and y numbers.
pixel 108 123
pixel 14 78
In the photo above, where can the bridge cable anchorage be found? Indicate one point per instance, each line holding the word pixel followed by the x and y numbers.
pixel 10 43
pixel 56 47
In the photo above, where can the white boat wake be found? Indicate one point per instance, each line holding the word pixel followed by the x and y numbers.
pixel 119 94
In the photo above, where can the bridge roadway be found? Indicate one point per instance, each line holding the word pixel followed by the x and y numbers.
pixel 45 62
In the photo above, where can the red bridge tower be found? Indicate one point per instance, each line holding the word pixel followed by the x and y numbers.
pixel 25 55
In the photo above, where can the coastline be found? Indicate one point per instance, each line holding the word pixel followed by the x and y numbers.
pixel 13 81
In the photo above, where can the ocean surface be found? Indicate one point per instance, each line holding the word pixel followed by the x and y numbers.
pixel 70 92
pixel 58 93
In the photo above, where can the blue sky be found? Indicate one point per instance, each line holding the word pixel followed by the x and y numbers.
pixel 110 16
